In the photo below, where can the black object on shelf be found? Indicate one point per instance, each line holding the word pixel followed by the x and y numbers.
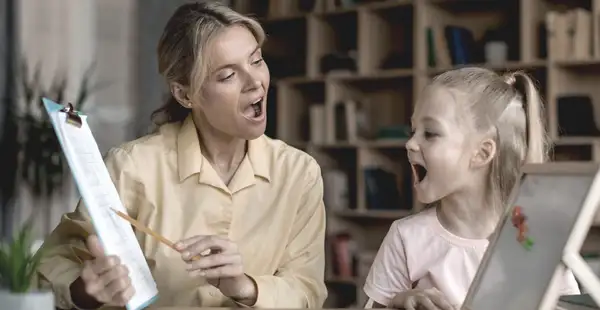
pixel 397 60
pixel 382 190
pixel 576 116
pixel 337 61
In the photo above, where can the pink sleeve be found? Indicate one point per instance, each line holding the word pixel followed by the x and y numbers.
pixel 389 273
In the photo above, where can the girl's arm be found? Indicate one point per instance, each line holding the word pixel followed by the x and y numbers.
pixel 371 304
pixel 389 274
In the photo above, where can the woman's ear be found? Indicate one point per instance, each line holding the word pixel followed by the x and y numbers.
pixel 180 93
pixel 484 154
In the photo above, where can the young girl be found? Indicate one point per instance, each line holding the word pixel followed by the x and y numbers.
pixel 473 130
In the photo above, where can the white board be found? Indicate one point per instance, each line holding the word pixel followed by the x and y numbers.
pixel 553 197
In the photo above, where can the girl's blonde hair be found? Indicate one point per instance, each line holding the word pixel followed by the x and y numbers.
pixel 182 49
pixel 510 108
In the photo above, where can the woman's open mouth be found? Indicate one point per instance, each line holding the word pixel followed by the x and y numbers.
pixel 257 106
pixel 255 111
pixel 419 173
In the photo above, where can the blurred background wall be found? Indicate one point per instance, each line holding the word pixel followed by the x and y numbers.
pixel 114 41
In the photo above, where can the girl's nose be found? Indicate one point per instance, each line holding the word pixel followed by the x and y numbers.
pixel 412 145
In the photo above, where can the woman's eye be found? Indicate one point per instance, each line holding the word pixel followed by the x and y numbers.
pixel 227 77
pixel 258 61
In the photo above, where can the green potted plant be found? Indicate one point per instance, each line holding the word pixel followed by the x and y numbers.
pixel 19 260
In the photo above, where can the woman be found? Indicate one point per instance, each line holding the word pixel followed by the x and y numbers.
pixel 209 179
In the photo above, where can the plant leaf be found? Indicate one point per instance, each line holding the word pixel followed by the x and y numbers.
pixel 4 267
pixel 17 263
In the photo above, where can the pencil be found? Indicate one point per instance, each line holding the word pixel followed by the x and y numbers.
pixel 150 232
pixel 145 229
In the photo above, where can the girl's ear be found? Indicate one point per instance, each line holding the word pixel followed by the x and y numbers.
pixel 484 153
pixel 180 93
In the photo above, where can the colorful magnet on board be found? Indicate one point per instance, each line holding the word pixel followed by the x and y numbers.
pixel 519 221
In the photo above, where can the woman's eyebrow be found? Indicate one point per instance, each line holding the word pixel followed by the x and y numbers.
pixel 233 65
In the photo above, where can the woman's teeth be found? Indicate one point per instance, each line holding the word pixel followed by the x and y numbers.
pixel 257 108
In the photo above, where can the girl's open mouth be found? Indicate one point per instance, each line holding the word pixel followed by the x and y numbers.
pixel 419 173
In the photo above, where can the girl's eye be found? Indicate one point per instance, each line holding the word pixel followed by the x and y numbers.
pixel 258 61
pixel 429 135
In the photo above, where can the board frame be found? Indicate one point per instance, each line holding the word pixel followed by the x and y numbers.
pixel 571 258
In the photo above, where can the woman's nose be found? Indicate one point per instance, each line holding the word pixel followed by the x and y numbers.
pixel 253 82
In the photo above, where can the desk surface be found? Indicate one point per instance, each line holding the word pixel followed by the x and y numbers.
pixel 561 306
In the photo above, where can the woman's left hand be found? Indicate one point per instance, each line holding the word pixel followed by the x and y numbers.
pixel 218 259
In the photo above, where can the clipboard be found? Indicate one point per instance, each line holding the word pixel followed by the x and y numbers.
pixel 101 198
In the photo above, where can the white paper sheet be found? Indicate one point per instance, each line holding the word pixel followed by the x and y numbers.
pixel 100 195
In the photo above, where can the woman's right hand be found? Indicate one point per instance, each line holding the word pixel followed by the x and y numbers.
pixel 416 299
pixel 105 279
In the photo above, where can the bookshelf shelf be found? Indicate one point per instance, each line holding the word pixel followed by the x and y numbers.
pixel 347 74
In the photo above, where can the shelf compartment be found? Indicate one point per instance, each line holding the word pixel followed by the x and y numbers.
pixel 333 44
pixel 572 152
pixel 383 109
pixel 334 162
pixel 456 26
pixel 281 50
pixel 385 39
pixel 384 182
pixel 574 102
pixel 294 102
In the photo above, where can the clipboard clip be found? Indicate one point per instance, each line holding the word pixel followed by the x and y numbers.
pixel 72 117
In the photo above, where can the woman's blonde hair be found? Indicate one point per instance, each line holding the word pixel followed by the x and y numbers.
pixel 510 108
pixel 182 48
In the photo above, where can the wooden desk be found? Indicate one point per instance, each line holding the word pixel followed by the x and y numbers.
pixel 561 306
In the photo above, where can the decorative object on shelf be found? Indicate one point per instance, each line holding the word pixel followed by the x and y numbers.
pixel 576 116
pixel 496 53
pixel 338 62
pixel 519 220
pixel 336 190
pixel 19 260
pixel 382 190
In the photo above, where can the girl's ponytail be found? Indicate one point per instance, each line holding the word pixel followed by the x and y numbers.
pixel 537 140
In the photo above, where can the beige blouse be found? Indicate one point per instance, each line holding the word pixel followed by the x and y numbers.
pixel 273 209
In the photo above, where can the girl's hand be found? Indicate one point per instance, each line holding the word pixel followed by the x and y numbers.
pixel 429 299
pixel 218 260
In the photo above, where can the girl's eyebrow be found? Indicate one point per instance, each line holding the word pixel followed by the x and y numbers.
pixel 427 119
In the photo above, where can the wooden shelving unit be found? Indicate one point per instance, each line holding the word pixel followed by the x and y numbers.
pixel 301 33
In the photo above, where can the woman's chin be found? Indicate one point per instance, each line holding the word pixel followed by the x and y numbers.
pixel 253 132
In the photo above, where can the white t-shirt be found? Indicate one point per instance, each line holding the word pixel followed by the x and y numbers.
pixel 418 252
